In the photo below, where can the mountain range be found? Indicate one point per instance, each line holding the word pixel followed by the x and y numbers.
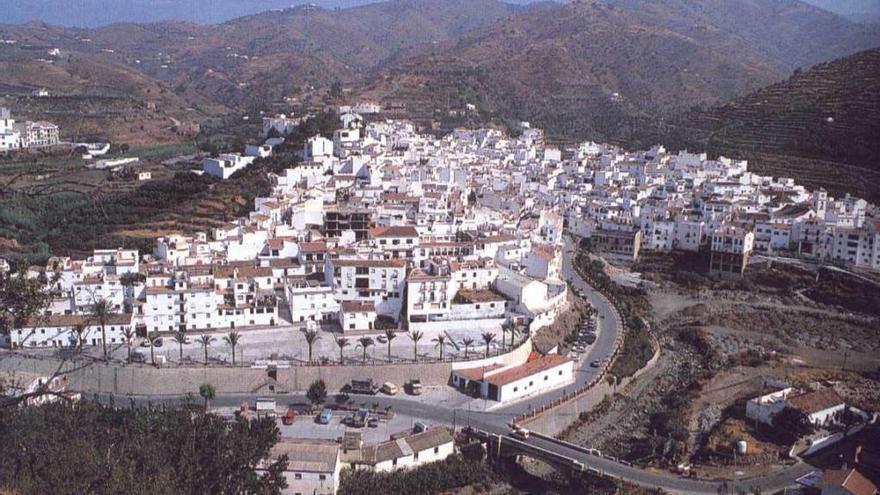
pixel 597 69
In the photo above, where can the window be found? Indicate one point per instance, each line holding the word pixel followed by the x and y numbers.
pixel 436 450
pixel 297 476
pixel 394 462
pixel 322 477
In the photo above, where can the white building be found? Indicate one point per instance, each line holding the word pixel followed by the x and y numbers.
pixel 282 124
pixel 417 449
pixel 226 164
pixel 510 383
pixel 61 331
pixel 313 466
pixel 10 137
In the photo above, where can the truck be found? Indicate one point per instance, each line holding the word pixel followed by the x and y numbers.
pixel 367 386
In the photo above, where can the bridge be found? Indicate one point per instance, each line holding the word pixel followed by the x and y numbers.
pixel 573 460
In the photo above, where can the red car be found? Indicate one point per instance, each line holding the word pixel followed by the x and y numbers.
pixel 289 417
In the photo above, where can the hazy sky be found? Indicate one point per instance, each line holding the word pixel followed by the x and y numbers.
pixel 90 13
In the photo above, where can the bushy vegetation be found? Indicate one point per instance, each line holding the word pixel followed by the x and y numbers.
pixel 90 448
pixel 432 478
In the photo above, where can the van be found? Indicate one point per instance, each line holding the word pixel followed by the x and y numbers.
pixel 389 388
pixel 415 386
pixel 325 416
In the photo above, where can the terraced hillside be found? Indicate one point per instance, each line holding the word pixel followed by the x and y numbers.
pixel 592 69
pixel 821 126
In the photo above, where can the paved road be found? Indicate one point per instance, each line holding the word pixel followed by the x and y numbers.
pixel 496 420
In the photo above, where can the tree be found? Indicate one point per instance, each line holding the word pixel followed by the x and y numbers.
pixel 23 298
pixel 160 453
pixel 129 335
pixel 180 338
pixel 466 342
pixel 232 339
pixel 506 326
pixel 364 343
pixel 317 392
pixel 101 311
pixel 206 341
pixel 389 336
pixel 153 348
pixel 415 336
pixel 488 337
pixel 439 342
pixel 342 342
pixel 791 424
pixel 79 330
pixel 312 336
pixel 208 392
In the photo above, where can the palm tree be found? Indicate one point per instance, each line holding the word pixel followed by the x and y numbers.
pixel 129 335
pixel 208 392
pixel 80 330
pixel 232 340
pixel 488 337
pixel 342 342
pixel 441 343
pixel 507 327
pixel 312 336
pixel 101 311
pixel 180 338
pixel 152 348
pixel 206 341
pixel 467 342
pixel 415 336
pixel 389 336
pixel 364 343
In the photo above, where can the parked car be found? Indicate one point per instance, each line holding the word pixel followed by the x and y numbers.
pixel 158 342
pixel 373 422
pixel 419 427
pixel 389 388
pixel 325 417
pixel 415 387
pixel 596 364
pixel 138 357
pixel 289 416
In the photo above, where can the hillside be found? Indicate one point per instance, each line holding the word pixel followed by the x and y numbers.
pixel 820 126
pixel 92 96
pixel 587 69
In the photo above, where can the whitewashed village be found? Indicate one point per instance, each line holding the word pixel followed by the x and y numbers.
pixel 447 249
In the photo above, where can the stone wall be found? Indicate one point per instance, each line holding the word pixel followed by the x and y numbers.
pixel 97 377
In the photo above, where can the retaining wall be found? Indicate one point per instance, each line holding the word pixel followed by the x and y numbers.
pixel 98 377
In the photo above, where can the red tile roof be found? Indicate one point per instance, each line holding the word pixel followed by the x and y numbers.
pixel 525 370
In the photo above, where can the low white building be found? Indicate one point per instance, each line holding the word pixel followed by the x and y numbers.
pixel 357 316
pixel 226 164
pixel 820 406
pixel 313 466
pixel 60 331
pixel 417 449
pixel 505 384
